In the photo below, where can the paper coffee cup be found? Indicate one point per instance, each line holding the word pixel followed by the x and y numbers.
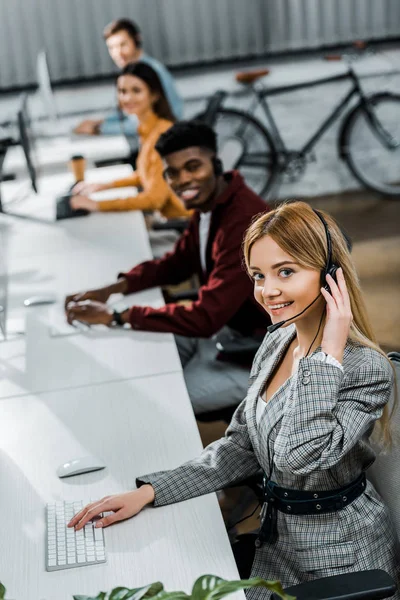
pixel 77 164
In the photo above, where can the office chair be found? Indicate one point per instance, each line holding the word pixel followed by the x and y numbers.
pixel 178 225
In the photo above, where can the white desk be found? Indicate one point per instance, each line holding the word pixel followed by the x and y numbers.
pixel 136 427
pixel 38 362
pixel 118 394
pixel 54 153
pixel 18 196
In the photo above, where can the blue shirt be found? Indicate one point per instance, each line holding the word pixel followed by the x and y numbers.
pixel 116 124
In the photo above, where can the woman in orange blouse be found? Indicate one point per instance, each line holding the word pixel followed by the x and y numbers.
pixel 140 93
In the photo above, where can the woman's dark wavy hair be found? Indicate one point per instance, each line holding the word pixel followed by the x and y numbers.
pixel 147 74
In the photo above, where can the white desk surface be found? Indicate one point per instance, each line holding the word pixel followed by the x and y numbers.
pixel 18 196
pixel 136 427
pixel 53 153
pixel 39 362
pixel 66 257
pixel 121 233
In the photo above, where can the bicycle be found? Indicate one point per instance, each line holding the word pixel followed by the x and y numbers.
pixel 368 141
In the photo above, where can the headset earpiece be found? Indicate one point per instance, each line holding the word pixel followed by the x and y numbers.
pixel 330 267
pixel 218 166
pixel 332 272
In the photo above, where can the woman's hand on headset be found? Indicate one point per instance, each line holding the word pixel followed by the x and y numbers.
pixel 338 316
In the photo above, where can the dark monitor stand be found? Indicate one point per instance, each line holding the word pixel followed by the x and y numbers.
pixel 26 140
pixel 5 143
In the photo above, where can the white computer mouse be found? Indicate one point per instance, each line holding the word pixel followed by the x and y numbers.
pixel 77 466
pixel 40 299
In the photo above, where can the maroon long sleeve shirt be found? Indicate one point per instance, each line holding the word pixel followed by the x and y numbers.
pixel 226 292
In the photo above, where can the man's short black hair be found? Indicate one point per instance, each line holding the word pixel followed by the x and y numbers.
pixel 131 28
pixel 186 134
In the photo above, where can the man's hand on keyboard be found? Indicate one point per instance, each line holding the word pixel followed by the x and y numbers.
pixel 123 507
pixel 100 295
pixel 90 312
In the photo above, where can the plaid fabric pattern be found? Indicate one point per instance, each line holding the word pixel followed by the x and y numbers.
pixel 313 435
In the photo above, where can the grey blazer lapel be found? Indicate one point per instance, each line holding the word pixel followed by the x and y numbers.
pixel 274 353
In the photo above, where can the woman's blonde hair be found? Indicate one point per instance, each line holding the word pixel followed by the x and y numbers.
pixel 298 230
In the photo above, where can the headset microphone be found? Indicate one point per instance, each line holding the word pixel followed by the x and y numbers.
pixel 276 326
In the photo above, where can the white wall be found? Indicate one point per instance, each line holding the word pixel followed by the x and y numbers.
pixel 178 31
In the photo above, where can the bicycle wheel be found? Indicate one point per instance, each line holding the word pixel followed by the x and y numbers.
pixel 246 145
pixel 370 144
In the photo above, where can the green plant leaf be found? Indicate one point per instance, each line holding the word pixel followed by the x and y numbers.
pixel 100 596
pixel 147 591
pixel 204 585
pixel 171 596
pixel 224 588
pixel 123 593
pixel 120 593
pixel 2 591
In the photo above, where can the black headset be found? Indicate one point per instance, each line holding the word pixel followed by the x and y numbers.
pixel 330 267
pixel 217 166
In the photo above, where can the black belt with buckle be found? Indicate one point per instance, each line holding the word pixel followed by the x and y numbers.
pixel 298 502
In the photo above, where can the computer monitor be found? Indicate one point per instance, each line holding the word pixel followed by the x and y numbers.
pixel 44 85
pixel 3 284
pixel 27 140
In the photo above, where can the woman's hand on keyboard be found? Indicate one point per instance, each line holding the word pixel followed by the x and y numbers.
pixel 78 201
pixel 123 506
pixel 85 188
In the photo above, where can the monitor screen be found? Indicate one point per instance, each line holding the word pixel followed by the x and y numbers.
pixel 26 139
pixel 44 84
pixel 3 283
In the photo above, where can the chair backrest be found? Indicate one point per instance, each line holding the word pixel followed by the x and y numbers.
pixel 385 472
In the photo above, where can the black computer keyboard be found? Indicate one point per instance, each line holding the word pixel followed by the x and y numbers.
pixel 64 210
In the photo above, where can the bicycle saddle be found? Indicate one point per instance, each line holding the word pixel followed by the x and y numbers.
pixel 247 77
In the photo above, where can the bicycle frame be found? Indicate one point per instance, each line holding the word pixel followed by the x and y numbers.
pixel 262 94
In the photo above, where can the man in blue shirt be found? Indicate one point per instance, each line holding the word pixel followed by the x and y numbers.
pixel 124 43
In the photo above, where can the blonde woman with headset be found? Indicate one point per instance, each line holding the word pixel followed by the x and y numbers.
pixel 320 386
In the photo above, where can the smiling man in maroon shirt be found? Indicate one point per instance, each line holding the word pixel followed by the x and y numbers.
pixel 210 248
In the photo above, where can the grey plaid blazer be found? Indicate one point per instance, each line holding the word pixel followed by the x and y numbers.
pixel 314 433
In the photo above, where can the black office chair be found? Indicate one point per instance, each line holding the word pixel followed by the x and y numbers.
pixel 362 585
pixel 179 225
pixel 129 159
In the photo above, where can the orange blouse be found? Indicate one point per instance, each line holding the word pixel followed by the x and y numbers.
pixel 156 194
